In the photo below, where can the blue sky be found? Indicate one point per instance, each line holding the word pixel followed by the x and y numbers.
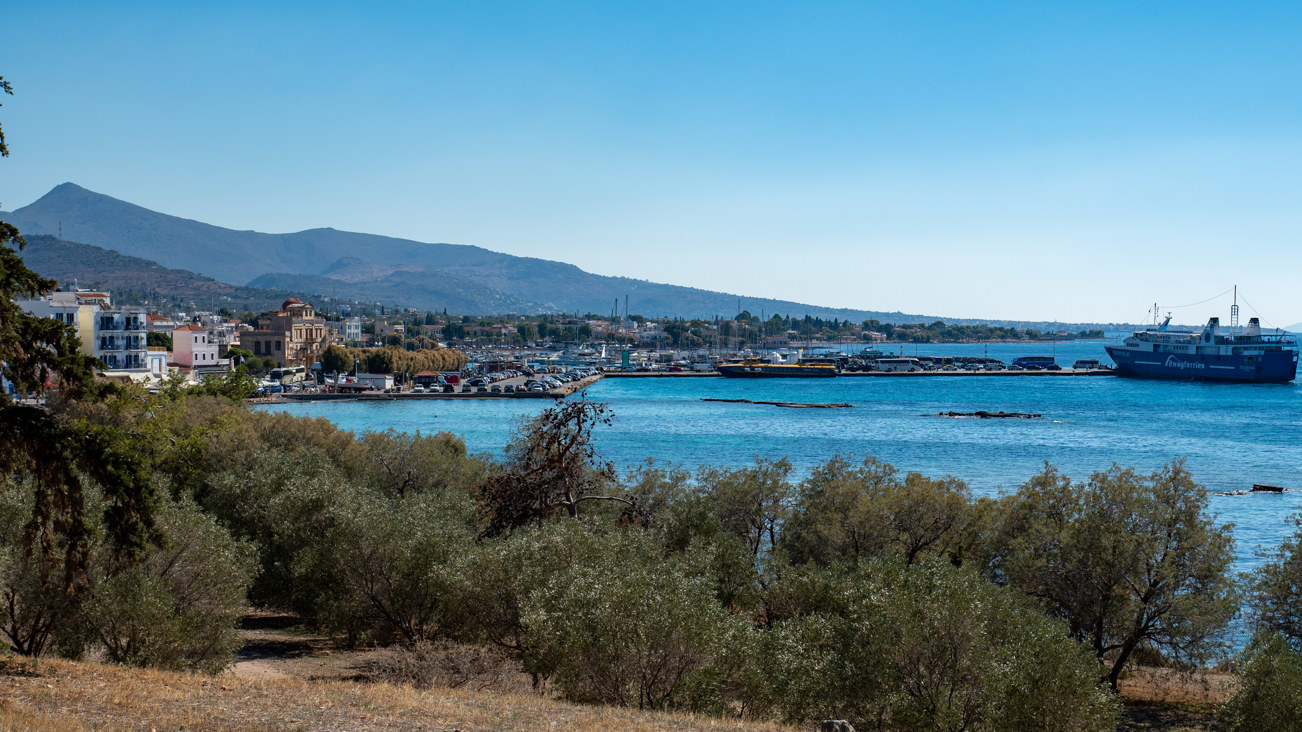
pixel 1069 161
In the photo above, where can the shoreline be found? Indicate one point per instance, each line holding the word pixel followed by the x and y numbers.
pixel 571 388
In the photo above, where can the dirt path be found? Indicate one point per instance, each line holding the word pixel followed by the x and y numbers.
pixel 277 646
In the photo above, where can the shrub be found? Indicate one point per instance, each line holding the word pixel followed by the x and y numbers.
pixel 284 503
pixel 501 573
pixel 1276 597
pixel 848 510
pixel 632 631
pixel 390 569
pixel 447 665
pixel 178 608
pixel 398 464
pixel 890 646
pixel 1270 687
pixel 35 612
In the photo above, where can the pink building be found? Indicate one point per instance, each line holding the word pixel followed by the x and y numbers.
pixel 192 347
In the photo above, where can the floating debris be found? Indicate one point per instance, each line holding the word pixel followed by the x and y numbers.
pixel 790 405
pixel 1257 490
pixel 982 414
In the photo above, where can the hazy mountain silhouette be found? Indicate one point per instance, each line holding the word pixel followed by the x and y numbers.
pixel 71 263
pixel 461 278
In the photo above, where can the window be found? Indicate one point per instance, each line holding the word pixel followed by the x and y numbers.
pixel 277 345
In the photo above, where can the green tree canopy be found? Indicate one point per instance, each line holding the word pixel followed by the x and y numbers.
pixel 1128 561
pixel 59 455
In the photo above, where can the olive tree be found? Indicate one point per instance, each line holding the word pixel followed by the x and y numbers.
pixel 1276 587
pixel 750 503
pixel 391 569
pixel 1269 695
pixel 179 607
pixel 399 464
pixel 630 630
pixel 35 612
pixel 891 646
pixel 1126 560
pixel 846 509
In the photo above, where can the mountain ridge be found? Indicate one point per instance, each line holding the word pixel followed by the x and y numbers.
pixel 376 268
pixel 69 263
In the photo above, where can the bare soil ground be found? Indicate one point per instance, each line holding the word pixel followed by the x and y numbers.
pixel 61 695
pixel 288 678
pixel 1165 699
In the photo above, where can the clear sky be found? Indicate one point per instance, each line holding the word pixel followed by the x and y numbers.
pixel 1037 160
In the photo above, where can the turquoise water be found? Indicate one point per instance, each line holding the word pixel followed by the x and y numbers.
pixel 1231 435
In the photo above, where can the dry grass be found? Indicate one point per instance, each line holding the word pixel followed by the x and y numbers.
pixel 287 677
pixel 1175 701
pixel 63 695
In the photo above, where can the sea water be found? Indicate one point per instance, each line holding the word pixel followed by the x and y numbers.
pixel 1229 435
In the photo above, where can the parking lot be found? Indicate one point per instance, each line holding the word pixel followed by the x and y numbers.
pixel 524 381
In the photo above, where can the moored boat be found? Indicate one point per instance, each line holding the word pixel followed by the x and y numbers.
pixel 777 366
pixel 1241 354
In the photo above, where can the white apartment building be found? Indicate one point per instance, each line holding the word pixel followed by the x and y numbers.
pixel 115 334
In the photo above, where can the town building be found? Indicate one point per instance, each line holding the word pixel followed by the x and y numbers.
pixel 156 362
pixel 114 334
pixel 383 328
pixel 162 324
pixel 293 335
pixel 195 351
pixel 352 329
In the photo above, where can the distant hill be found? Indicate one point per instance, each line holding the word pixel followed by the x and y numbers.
pixel 433 276
pixel 1294 328
pixel 130 278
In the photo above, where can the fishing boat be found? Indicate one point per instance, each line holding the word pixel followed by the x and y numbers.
pixel 777 366
pixel 1243 354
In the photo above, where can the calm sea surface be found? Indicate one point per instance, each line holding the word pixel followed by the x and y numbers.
pixel 1230 435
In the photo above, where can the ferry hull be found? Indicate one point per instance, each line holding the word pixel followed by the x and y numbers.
pixel 1270 367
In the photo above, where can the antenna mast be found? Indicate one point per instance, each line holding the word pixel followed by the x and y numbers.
pixel 1234 309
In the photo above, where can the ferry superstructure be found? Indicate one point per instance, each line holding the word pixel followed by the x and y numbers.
pixel 1246 354
pixel 777 366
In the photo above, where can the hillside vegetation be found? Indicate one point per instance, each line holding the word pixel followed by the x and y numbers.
pixel 134 279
